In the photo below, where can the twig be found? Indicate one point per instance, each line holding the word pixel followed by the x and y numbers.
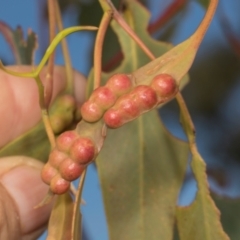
pixel 107 5
pixel 67 59
pixel 99 46
pixel 50 67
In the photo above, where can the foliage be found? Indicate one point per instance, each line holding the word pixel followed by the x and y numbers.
pixel 141 165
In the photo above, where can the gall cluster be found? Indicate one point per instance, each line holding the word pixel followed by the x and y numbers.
pixel 105 97
pixel 118 102
pixel 67 161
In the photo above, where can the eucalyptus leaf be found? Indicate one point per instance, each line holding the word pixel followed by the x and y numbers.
pixel 59 226
pixel 34 143
pixel 26 48
pixel 134 57
pixel 141 169
pixel 22 49
pixel 141 165
pixel 200 220
pixel 179 59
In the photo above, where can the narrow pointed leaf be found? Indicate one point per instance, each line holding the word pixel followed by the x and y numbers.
pixel 141 165
pixel 200 220
pixel 59 226
pixel 25 48
pixel 134 57
pixel 22 49
pixel 33 143
pixel 141 168
pixel 179 59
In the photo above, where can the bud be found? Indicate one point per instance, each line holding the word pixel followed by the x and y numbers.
pixel 113 118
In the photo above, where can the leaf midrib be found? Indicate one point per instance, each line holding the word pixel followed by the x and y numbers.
pixel 135 65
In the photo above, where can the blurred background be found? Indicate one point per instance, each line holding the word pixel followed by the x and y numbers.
pixel 213 94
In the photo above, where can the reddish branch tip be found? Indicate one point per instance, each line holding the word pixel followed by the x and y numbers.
pixel 82 151
pixel 164 85
pixel 91 112
pixel 70 170
pixel 65 140
pixel 120 84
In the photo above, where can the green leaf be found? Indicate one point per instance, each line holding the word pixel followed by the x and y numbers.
pixel 230 212
pixel 60 224
pixel 134 57
pixel 141 165
pixel 179 59
pixel 23 50
pixel 34 143
pixel 141 169
pixel 200 220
